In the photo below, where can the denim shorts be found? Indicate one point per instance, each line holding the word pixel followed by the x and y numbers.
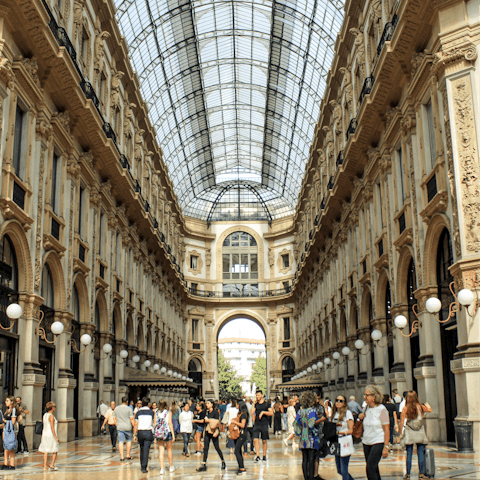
pixel 125 436
pixel 168 439
pixel 200 429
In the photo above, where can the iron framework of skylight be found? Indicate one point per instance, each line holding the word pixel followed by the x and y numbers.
pixel 233 89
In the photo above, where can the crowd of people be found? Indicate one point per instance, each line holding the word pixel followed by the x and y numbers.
pixel 319 427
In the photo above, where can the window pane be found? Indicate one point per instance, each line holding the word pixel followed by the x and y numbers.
pixel 235 266
pixel 226 242
pixel 253 242
pixel 226 266
pixel 253 262
pixel 254 290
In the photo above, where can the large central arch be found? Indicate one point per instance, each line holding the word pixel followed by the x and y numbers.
pixel 235 314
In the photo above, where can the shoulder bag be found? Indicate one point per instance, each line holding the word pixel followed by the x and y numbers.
pixel 233 430
pixel 9 438
pixel 38 428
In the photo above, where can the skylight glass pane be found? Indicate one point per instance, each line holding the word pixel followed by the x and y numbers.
pixel 234 107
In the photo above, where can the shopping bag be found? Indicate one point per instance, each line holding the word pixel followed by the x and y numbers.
pixel 346 446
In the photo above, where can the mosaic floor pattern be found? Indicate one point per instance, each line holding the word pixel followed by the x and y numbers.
pixel 93 459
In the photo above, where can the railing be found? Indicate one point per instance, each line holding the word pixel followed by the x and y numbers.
pixel 55 229
pixel 387 34
pixel 18 195
pixel 322 204
pixel 367 87
pixel 162 237
pixel 312 231
pixel 432 188
pixel 138 188
pixel 239 294
pixel 330 183
pixel 107 128
pixel 90 94
pixel 307 244
pixel 317 218
pixel 169 249
pixel 155 223
pixel 340 158
pixel 147 206
pixel 352 127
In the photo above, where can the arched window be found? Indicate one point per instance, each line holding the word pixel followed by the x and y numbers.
pixel 9 267
pixel 288 369
pixel 240 265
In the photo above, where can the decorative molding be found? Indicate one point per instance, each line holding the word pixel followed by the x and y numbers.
pixel 198 270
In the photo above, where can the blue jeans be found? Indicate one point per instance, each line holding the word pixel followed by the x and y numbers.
pixel 186 438
pixel 342 467
pixel 420 452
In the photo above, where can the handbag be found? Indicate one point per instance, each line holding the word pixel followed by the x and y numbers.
pixel 212 427
pixel 333 448
pixel 357 432
pixel 9 438
pixel 233 430
pixel 38 428
pixel 346 446
pixel 329 430
pixel 411 436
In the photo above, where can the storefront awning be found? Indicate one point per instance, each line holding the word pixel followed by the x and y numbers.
pixel 141 378
pixel 315 381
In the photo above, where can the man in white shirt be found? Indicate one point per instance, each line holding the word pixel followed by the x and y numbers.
pixel 143 432
pixel 402 403
pixel 186 427
pixel 101 411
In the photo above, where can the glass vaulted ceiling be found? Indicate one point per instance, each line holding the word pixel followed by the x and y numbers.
pixel 233 89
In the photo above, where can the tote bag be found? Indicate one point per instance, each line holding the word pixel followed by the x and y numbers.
pixel 9 438
pixel 346 446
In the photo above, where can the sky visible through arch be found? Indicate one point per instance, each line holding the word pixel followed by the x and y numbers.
pixel 241 328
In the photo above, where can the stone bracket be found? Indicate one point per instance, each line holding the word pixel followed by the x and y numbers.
pixel 33 379
pixel 469 365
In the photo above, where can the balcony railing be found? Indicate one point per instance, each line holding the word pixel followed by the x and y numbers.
pixel 322 204
pixel 89 93
pixel 352 127
pixel 340 158
pixel 317 218
pixel 107 128
pixel 239 293
pixel 367 87
pixel 312 231
pixel 387 34
pixel 330 183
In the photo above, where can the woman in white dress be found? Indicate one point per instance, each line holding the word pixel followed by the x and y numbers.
pixel 49 442
pixel 291 415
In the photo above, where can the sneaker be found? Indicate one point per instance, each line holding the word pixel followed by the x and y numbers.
pixel 198 453
pixel 241 472
pixel 264 459
pixel 224 466
pixel 162 471
pixel 256 459
pixel 203 468
pixel 26 453
pixel 406 476
pixel 285 442
pixel 172 469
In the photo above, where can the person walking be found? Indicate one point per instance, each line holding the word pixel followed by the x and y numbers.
pixel 212 431
pixel 232 412
pixel 49 440
pixel 240 422
pixel 392 415
pixel 343 418
pixel 165 434
pixel 124 418
pixel 186 427
pixel 376 431
pixel 175 409
pixel 101 411
pixel 291 415
pixel 9 439
pixel 414 431
pixel 143 432
pixel 304 426
pixel 199 422
pixel 261 411
pixel 321 417
pixel 277 417
pixel 284 415
pixel 249 443
pixel 111 421
pixel 354 407
pixel 22 412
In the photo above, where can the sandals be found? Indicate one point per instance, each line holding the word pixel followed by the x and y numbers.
pixel 406 476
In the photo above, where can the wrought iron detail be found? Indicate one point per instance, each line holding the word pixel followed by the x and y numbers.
pixel 352 127
pixel 432 188
pixel 367 87
pixel 18 195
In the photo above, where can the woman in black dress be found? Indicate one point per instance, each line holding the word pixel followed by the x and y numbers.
pixel 241 423
pixel 277 417
pixel 212 431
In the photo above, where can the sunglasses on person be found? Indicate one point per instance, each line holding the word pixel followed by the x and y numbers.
pixel 340 400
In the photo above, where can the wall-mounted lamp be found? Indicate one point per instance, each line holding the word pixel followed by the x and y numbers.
pixel 465 298
pixel 163 370
pixel 14 312
pixel 156 367
pixel 147 363
pixel 56 328
pixel 135 359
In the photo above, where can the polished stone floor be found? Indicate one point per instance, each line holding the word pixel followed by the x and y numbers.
pixel 93 458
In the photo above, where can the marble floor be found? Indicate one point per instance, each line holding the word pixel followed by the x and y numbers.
pixel 92 458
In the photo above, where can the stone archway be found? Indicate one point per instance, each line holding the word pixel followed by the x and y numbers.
pixel 221 322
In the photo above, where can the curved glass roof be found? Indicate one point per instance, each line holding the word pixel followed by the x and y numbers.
pixel 233 88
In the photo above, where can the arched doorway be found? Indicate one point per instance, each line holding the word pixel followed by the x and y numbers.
pixel 47 350
pixel 8 295
pixel 288 368
pixel 241 349
pixel 195 373
pixel 448 330
pixel 415 338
